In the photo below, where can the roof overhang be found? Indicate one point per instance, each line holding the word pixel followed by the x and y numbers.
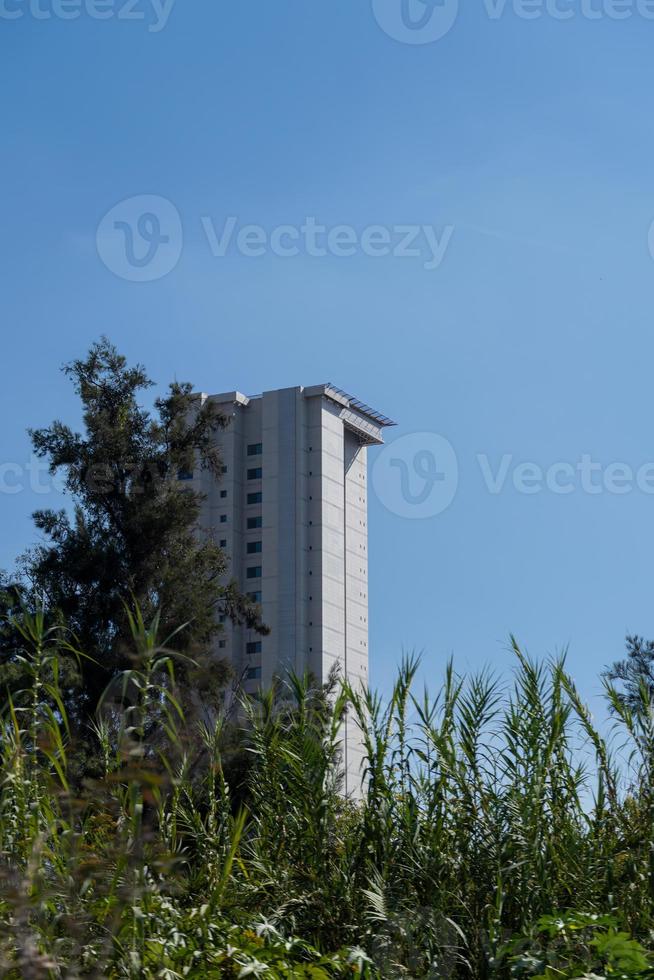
pixel 358 417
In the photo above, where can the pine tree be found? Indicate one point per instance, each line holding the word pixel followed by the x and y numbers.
pixel 635 673
pixel 132 533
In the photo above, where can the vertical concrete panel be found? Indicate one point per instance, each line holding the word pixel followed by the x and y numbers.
pixel 356 578
pixel 280 518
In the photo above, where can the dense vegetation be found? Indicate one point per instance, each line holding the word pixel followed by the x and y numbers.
pixel 484 845
pixel 153 826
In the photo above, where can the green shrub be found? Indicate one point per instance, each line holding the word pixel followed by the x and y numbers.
pixel 576 944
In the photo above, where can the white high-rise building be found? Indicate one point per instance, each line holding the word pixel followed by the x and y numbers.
pixel 291 512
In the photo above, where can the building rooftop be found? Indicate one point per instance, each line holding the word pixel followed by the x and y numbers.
pixel 328 389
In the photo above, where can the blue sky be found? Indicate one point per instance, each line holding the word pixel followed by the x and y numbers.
pixel 531 140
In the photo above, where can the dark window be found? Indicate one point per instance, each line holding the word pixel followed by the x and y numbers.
pixel 255 498
pixel 254 522
pixel 254 571
pixel 223 518
pixel 255 449
pixel 254 596
pixel 222 644
pixel 254 548
pixel 253 673
pixel 255 473
pixel 223 494
pixel 184 474
pixel 223 542
pixel 254 647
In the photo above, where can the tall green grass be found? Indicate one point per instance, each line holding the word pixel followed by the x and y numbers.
pixel 228 849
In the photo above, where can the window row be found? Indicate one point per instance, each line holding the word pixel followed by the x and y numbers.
pixel 184 474
pixel 253 524
pixel 252 475
pixel 250 648
pixel 252 498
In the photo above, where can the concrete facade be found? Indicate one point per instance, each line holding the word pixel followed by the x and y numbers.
pixel 291 512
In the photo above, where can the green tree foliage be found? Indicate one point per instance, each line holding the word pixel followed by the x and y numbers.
pixel 132 530
pixel 636 669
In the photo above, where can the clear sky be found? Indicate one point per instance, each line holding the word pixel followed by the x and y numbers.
pixel 523 145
